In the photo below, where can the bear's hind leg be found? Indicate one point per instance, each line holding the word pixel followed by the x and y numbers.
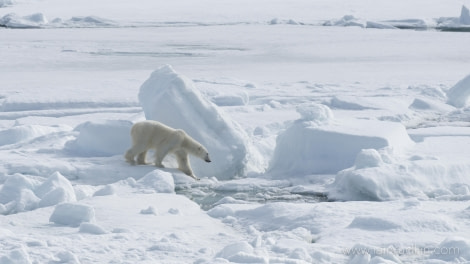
pixel 130 157
pixel 132 152
pixel 141 158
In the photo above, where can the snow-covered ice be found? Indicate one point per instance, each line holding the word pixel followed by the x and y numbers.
pixel 339 131
pixel 172 99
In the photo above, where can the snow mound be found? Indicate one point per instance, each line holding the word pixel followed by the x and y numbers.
pixel 420 104
pixel 20 193
pixel 317 113
pixel 368 158
pixel 67 257
pixel 21 133
pixel 375 184
pixel 235 250
pixel 351 21
pixel 16 194
pixel 379 25
pixel 278 21
pixel 387 175
pixel 160 181
pixel 373 223
pixel 270 216
pixel 408 23
pixel 90 228
pixel 453 249
pixel 72 214
pixel 309 148
pixel 361 253
pixel 31 21
pixel 106 190
pixel 101 138
pixel 56 181
pixel 340 103
pixel 17 256
pixel 56 189
pixel 459 93
pixel 238 99
pixel 172 99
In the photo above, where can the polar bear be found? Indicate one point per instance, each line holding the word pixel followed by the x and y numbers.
pixel 164 139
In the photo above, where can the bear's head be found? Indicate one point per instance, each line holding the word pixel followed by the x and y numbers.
pixel 203 154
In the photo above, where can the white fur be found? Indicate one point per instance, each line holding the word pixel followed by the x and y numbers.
pixel 164 139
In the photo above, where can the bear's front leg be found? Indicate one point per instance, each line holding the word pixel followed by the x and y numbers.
pixel 183 163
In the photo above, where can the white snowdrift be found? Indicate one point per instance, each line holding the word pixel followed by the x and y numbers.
pixel 172 99
pixel 56 189
pixel 21 133
pixel 318 144
pixel 20 193
pixel 101 138
pixel 453 249
pixel 459 93
pixel 31 21
pixel 16 194
pixel 383 175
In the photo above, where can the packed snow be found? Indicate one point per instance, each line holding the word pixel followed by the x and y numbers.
pixel 338 132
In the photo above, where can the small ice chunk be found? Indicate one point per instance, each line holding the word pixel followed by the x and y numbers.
pixel 459 93
pixel 149 210
pixel 72 214
pixel 174 211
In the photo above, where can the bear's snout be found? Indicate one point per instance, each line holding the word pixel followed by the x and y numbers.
pixel 207 159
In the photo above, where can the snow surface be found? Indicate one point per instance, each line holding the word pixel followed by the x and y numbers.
pixel 336 136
